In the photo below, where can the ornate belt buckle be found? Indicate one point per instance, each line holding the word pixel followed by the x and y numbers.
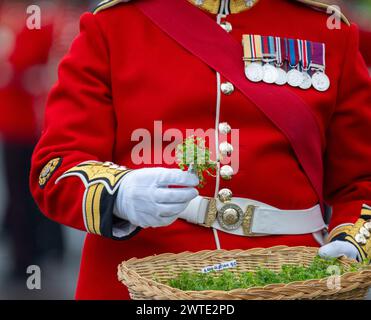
pixel 230 216
pixel 248 220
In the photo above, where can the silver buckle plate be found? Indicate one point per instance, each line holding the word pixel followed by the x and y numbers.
pixel 230 216
pixel 248 220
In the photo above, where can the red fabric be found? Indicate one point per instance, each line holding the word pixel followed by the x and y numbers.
pixel 124 73
pixel 216 48
pixel 18 121
pixel 365 45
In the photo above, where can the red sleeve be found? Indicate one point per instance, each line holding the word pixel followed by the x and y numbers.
pixel 32 48
pixel 71 178
pixel 348 156
pixel 365 45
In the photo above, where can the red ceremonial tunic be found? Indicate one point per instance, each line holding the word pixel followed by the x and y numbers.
pixel 123 73
pixel 18 120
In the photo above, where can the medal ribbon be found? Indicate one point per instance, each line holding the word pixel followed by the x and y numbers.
pixel 257 45
pixel 269 50
pixel 293 52
pixel 265 45
pixel 280 51
pixel 272 47
pixel 252 45
pixel 285 51
pixel 246 47
pixel 318 55
pixel 308 53
pixel 305 54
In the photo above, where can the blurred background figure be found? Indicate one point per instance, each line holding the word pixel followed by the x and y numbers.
pixel 28 64
pixel 23 87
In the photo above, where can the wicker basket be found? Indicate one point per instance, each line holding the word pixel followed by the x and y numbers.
pixel 138 274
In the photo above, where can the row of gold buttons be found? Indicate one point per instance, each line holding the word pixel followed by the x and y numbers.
pixel 225 148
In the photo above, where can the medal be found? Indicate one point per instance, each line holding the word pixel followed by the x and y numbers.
pixel 305 59
pixel 307 81
pixel 320 80
pixel 265 60
pixel 282 77
pixel 252 45
pixel 254 72
pixel 270 74
pixel 280 56
pixel 294 76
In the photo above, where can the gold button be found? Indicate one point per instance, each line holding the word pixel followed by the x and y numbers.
pixel 225 195
pixel 361 239
pixel 364 232
pixel 225 148
pixel 227 88
pixel 224 128
pixel 367 225
pixel 226 172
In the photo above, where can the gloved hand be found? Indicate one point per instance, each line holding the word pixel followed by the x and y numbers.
pixel 145 199
pixel 339 248
pixel 350 240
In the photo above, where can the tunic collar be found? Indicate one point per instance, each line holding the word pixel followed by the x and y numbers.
pixel 224 6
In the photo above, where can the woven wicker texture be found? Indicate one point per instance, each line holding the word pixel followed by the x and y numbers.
pixel 138 275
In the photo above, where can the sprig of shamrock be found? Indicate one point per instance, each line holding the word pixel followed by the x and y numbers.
pixel 193 155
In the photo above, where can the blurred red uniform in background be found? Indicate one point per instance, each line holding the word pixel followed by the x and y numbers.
pixel 28 60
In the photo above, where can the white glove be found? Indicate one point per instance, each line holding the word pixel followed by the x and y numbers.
pixel 339 248
pixel 145 199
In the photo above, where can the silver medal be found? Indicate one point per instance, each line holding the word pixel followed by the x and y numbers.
pixel 282 77
pixel 307 81
pixel 270 73
pixel 294 78
pixel 321 81
pixel 254 72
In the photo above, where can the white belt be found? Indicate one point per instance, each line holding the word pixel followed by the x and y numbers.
pixel 246 217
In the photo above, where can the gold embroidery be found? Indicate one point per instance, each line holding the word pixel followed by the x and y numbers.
pixel 212 212
pixel 88 212
pixel 47 172
pixel 247 220
pixel 366 210
pixel 96 208
pixel 98 178
pixel 235 6
pixel 352 233
pixel 92 172
pixel 92 208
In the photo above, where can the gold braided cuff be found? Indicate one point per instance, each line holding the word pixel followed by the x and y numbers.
pixel 101 180
pixel 359 233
